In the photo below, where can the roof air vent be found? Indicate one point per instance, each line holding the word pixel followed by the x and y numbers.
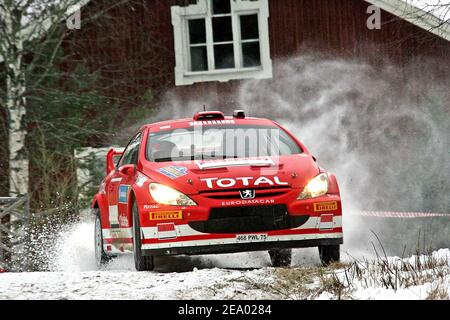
pixel 239 114
pixel 209 115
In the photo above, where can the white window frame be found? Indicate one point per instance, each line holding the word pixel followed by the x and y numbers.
pixel 180 17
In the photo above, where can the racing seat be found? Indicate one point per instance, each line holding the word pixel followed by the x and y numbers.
pixel 164 150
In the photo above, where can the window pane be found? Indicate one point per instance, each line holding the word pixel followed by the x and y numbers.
pixel 251 54
pixel 131 152
pixel 199 60
pixel 220 142
pixel 221 6
pixel 222 30
pixel 224 56
pixel 249 27
pixel 197 32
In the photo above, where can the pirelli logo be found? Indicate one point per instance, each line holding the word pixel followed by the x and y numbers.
pixel 166 215
pixel 325 206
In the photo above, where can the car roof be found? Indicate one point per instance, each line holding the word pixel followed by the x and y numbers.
pixel 190 122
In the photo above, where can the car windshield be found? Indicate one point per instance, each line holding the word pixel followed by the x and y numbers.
pixel 219 142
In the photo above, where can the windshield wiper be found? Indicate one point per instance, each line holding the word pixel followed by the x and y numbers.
pixel 168 159
pixel 163 159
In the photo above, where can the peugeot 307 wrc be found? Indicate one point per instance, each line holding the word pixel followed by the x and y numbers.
pixel 215 184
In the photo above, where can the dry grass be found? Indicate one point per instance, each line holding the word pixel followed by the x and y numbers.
pixel 438 292
pixel 397 273
pixel 276 283
pixel 338 281
pixel 393 273
pixel 341 281
pixel 344 281
pixel 331 283
pixel 298 283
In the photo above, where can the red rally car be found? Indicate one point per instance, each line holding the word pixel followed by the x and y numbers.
pixel 216 184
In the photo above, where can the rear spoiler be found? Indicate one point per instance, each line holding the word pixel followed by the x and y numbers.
pixel 110 159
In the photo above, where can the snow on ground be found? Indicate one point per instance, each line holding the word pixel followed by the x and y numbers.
pixel 231 276
pixel 393 278
pixel 123 285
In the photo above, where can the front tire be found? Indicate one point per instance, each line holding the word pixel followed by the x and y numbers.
pixel 101 258
pixel 281 257
pixel 329 254
pixel 141 262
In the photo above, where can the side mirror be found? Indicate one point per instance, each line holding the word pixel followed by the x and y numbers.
pixel 110 159
pixel 128 169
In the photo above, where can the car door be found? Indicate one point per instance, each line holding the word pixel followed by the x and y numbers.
pixel 118 182
pixel 112 184
pixel 124 187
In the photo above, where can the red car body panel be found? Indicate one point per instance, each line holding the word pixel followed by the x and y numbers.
pixel 181 229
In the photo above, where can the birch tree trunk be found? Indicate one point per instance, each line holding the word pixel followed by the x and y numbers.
pixel 20 23
pixel 15 101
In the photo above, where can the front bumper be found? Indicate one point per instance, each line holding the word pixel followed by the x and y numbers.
pixel 182 239
pixel 242 247
pixel 195 230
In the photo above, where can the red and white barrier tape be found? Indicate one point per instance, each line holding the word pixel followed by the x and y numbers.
pixel 394 214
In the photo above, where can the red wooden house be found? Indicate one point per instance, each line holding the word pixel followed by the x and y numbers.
pixel 207 47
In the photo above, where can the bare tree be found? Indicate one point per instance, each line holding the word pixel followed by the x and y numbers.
pixel 437 12
pixel 23 24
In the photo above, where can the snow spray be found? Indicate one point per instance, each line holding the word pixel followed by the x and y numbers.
pixel 384 132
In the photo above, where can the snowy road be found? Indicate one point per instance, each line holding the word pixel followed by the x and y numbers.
pixel 232 276
pixel 200 284
pixel 175 278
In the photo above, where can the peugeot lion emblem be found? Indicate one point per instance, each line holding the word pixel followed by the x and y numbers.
pixel 247 194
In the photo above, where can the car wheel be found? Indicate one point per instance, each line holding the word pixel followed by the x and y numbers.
pixel 329 254
pixel 281 257
pixel 141 262
pixel 101 258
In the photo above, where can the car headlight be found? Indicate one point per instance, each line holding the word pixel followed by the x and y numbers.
pixel 169 196
pixel 315 188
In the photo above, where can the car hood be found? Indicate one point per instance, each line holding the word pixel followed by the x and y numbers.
pixel 192 177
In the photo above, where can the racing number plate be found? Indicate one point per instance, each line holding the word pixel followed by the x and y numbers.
pixel 252 237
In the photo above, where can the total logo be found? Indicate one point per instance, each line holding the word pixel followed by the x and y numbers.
pixel 211 183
